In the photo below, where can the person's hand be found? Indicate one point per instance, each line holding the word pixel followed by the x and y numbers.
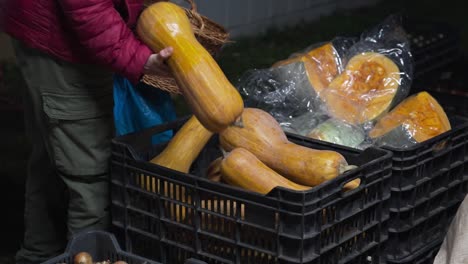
pixel 155 65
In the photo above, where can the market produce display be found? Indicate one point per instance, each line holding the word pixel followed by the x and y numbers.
pixel 237 183
pixel 339 92
pixel 218 108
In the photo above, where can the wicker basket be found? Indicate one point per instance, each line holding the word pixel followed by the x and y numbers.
pixel 210 34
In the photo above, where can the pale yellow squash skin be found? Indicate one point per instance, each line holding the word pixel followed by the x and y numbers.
pixel 184 147
pixel 179 155
pixel 242 169
pixel 262 135
pixel 210 95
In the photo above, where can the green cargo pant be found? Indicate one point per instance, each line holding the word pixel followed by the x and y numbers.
pixel 68 115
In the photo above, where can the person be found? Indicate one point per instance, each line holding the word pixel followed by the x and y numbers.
pixel 454 247
pixel 68 51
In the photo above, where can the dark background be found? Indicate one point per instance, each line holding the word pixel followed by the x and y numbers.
pixel 441 71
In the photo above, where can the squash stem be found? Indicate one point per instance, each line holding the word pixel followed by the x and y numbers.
pixel 346 168
pixel 225 153
pixel 239 122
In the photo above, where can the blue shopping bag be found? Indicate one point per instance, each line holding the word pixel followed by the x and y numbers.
pixel 140 106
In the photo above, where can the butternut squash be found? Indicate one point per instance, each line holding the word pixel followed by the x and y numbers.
pixel 242 169
pixel 184 147
pixel 179 155
pixel 262 135
pixel 211 97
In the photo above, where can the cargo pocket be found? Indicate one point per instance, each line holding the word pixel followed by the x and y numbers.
pixel 81 129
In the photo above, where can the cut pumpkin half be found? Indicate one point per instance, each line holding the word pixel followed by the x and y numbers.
pixel 417 119
pixel 367 88
pixel 321 65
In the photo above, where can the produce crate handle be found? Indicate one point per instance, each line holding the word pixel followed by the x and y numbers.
pixel 347 192
pixel 448 142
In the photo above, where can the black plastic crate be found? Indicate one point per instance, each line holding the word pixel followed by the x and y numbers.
pixel 429 181
pixel 425 256
pixel 434 46
pixel 429 231
pixel 102 246
pixel 225 224
pixel 455 102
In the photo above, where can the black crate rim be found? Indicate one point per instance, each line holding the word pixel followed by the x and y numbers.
pixel 189 178
pixel 463 125
pixel 419 254
pixel 131 155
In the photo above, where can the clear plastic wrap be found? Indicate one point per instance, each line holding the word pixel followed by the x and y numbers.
pixel 322 61
pixel 339 132
pixel 377 75
pixel 352 93
pixel 416 119
pixel 283 91
pixel 290 87
pixel 304 123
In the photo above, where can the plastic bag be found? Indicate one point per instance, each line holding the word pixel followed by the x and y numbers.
pixel 377 75
pixel 284 91
pixel 290 87
pixel 350 82
pixel 141 106
pixel 418 118
pixel 304 123
pixel 339 132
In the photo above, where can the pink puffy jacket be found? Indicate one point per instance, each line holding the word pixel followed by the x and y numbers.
pixel 81 31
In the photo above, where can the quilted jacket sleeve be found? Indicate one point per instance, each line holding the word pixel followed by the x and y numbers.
pixel 103 32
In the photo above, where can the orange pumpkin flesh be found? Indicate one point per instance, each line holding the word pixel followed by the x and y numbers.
pixel 211 97
pixel 320 64
pixel 421 116
pixel 365 90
